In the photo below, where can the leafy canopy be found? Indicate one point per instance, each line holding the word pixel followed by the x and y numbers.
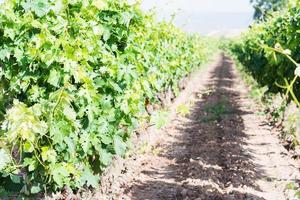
pixel 264 7
pixel 74 79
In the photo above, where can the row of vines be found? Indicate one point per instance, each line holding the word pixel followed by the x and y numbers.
pixel 269 52
pixel 75 79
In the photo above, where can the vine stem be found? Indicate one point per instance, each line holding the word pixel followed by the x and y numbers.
pixel 289 86
pixel 291 91
pixel 58 101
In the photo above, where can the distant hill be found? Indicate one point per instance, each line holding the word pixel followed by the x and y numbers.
pixel 226 33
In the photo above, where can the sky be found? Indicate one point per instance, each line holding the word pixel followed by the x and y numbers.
pixel 204 16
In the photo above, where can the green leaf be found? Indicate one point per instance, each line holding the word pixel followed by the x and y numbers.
pixel 89 178
pixel 15 178
pixel 4 159
pixel 105 157
pixel 35 189
pixel 124 107
pixel 105 139
pixel 28 147
pixel 183 110
pixel 126 18
pixel 100 4
pixel 31 163
pixel 54 78
pixel 71 145
pixel 8 32
pixel 85 141
pixel 39 7
pixel 160 119
pixel 297 71
pixel 18 53
pixel 70 113
pixel 119 145
pixel 58 7
pixel 59 173
pixel 290 186
pixel 4 193
pixel 4 54
pixel 48 154
pixel 106 34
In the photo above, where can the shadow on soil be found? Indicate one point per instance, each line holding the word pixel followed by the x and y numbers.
pixel 210 162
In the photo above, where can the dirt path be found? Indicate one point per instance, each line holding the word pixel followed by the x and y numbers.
pixel 222 150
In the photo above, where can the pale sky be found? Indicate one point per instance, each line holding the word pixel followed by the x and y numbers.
pixel 204 16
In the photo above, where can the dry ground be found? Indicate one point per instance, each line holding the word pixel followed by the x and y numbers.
pixel 223 149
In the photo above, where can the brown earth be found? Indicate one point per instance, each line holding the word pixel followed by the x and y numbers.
pixel 223 149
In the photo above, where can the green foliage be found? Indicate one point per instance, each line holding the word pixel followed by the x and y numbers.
pixel 292 186
pixel 264 7
pixel 269 52
pixel 216 110
pixel 74 79
pixel 160 118
pixel 183 109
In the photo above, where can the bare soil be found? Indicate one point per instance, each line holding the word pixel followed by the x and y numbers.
pixel 222 150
